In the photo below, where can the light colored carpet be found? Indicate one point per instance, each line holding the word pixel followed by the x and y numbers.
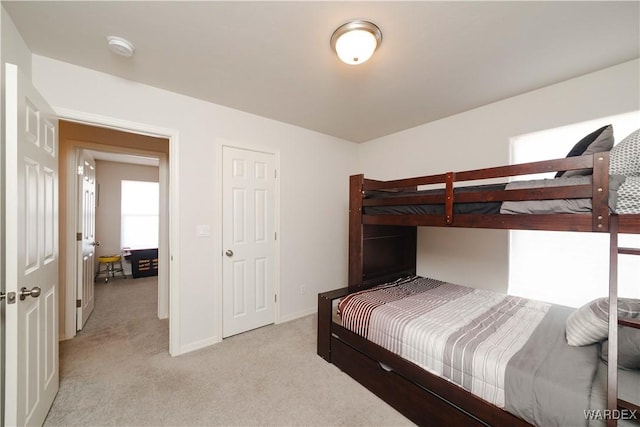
pixel 117 371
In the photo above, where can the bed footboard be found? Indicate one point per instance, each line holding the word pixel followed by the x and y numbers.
pixel 325 314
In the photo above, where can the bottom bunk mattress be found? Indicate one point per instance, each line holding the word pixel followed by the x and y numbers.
pixel 507 350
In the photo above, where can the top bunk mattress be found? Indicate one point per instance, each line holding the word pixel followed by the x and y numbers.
pixel 433 208
pixel 624 198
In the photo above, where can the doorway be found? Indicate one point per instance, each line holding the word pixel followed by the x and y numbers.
pixel 126 223
pixel 115 144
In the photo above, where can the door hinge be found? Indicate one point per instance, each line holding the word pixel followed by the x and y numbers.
pixel 275 235
pixel 275 298
pixel 78 237
pixel 9 296
pixel 78 303
pixel 275 173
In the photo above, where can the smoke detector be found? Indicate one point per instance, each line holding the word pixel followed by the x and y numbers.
pixel 120 46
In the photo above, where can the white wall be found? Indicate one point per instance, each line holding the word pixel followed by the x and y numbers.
pixel 480 138
pixel 109 176
pixel 313 186
pixel 13 48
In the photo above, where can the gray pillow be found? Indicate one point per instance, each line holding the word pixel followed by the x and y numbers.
pixel 596 142
pixel 547 206
pixel 615 182
pixel 590 323
pixel 628 348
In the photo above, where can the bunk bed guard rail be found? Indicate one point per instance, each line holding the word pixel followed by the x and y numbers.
pixel 598 220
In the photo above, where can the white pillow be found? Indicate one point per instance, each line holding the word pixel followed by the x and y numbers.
pixel 624 158
pixel 589 324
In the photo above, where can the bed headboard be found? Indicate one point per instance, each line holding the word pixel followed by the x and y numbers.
pixel 377 253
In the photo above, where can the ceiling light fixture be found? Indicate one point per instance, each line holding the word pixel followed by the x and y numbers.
pixel 355 41
pixel 120 46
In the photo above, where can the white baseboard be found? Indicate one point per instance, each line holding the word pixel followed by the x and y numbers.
pixel 299 314
pixel 215 340
pixel 188 348
pixel 63 337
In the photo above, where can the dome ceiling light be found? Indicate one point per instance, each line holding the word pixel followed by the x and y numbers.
pixel 355 41
pixel 120 46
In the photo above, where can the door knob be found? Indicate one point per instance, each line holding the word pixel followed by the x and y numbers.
pixel 34 292
pixel 229 253
pixel 95 243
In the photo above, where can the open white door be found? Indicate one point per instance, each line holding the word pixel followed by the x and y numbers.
pixel 31 255
pixel 86 240
pixel 248 236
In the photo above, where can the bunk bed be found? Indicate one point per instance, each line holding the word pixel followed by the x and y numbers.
pixel 383 219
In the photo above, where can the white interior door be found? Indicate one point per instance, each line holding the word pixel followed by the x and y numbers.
pixel 248 237
pixel 86 242
pixel 31 255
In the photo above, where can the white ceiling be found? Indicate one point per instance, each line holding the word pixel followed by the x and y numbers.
pixel 273 59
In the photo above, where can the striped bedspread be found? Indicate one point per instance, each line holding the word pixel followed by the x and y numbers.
pixel 463 334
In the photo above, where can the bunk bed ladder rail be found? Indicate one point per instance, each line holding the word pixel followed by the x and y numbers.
pixel 600 193
pixel 613 403
pixel 448 203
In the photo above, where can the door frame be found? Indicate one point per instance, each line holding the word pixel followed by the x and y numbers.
pixel 169 171
pixel 218 220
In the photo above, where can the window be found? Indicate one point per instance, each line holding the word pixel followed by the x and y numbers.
pixel 568 268
pixel 140 214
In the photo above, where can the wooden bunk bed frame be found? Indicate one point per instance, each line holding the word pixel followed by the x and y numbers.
pixel 383 247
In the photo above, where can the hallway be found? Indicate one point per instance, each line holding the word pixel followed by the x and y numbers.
pixel 103 365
